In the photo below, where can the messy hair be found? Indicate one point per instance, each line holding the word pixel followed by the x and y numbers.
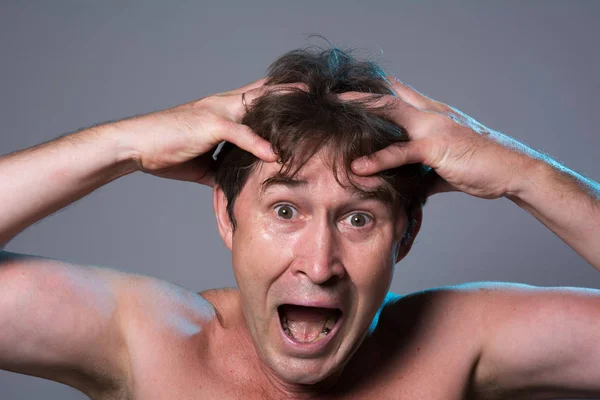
pixel 300 122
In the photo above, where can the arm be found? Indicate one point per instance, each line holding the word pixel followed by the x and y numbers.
pixel 70 323
pixel 63 322
pixel 38 181
pixel 534 342
pixel 565 202
pixel 55 315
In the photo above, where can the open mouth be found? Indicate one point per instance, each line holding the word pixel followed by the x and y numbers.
pixel 307 324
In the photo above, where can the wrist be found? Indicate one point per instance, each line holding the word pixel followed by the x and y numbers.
pixel 530 173
pixel 112 136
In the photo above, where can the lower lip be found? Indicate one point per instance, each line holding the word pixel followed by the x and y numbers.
pixel 312 348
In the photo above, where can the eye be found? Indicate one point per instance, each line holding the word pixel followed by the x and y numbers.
pixel 285 211
pixel 358 220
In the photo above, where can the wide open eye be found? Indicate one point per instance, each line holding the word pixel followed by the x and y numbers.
pixel 358 220
pixel 285 211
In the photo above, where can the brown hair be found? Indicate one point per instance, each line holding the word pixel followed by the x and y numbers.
pixel 300 122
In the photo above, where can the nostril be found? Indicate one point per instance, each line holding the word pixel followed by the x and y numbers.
pixel 325 274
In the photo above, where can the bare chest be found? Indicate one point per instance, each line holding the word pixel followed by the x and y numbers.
pixel 417 371
pixel 416 352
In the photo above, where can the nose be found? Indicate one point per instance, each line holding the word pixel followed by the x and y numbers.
pixel 318 253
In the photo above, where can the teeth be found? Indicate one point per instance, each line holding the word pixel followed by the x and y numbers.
pixel 285 327
pixel 327 327
pixel 329 324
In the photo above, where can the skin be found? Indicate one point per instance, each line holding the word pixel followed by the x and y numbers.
pixel 113 335
pixel 474 159
pixel 316 255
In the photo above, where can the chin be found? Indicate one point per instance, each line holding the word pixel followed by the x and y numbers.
pixel 304 372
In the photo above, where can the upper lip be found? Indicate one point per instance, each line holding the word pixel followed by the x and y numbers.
pixel 315 303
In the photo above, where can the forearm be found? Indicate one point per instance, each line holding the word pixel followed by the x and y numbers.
pixel 565 202
pixel 38 181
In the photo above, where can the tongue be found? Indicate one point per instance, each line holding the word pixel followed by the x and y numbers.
pixel 305 323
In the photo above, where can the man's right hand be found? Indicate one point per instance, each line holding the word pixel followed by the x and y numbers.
pixel 177 143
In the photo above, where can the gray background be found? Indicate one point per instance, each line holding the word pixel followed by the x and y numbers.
pixel 529 69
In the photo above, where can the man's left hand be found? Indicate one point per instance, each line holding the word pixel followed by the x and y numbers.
pixel 466 155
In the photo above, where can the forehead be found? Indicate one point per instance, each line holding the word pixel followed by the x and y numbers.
pixel 318 176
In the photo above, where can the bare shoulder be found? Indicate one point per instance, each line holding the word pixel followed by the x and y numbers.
pixel 226 304
pixel 466 299
pixel 221 295
pixel 455 309
pixel 437 318
pixel 442 330
pixel 158 308
pixel 163 304
pixel 433 305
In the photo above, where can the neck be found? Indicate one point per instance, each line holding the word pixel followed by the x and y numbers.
pixel 296 391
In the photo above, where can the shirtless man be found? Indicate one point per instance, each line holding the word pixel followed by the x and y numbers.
pixel 313 253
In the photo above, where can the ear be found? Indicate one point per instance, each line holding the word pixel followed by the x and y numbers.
pixel 224 224
pixel 403 247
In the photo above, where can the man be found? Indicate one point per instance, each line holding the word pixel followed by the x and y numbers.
pixel 318 194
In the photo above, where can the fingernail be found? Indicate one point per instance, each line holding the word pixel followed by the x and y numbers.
pixel 272 155
pixel 359 165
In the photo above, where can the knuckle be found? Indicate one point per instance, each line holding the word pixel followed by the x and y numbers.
pixel 239 134
pixel 241 129
pixel 443 107
pixel 228 129
pixel 439 121
pixel 221 125
pixel 390 153
pixel 205 101
pixel 398 148
pixel 254 93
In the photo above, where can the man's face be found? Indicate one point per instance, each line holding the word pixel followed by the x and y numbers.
pixel 313 261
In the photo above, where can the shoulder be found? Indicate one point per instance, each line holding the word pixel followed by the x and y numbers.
pixel 431 304
pixel 225 303
pixel 442 327
pixel 462 298
pixel 155 306
pixel 170 308
pixel 448 314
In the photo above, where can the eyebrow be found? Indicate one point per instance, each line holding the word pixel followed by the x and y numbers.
pixel 380 193
pixel 279 180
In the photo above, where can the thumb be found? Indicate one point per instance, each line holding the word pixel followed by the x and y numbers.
pixel 198 170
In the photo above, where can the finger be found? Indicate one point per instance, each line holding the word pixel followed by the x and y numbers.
pixel 198 170
pixel 195 170
pixel 393 156
pixel 260 91
pixel 244 138
pixel 377 100
pixel 249 96
pixel 389 107
pixel 414 97
pixel 250 86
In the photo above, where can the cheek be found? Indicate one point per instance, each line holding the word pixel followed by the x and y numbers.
pixel 371 265
pixel 259 252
